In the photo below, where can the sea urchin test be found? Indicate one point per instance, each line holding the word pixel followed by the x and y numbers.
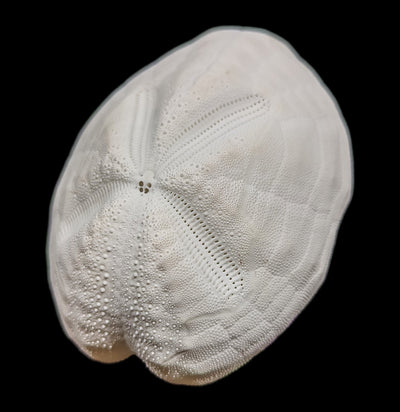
pixel 198 210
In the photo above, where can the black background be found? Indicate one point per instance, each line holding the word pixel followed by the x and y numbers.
pixel 69 62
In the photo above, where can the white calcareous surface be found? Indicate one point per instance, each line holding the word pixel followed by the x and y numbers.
pixel 198 210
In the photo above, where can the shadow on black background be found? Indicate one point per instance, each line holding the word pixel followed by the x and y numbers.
pixel 74 64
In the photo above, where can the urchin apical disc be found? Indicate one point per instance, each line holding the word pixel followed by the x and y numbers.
pixel 197 213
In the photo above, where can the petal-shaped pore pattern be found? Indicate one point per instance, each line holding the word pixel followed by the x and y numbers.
pixel 198 210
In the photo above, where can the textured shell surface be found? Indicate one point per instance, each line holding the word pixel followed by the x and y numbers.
pixel 198 210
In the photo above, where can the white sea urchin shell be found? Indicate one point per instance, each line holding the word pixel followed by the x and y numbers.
pixel 197 213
